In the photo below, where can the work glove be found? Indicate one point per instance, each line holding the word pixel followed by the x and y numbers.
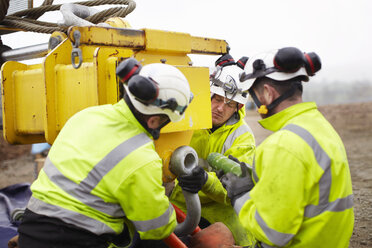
pixel 237 186
pixel 219 173
pixel 194 182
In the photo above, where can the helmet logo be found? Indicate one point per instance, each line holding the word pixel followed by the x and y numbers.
pixel 230 85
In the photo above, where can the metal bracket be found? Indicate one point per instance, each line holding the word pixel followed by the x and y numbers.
pixel 76 51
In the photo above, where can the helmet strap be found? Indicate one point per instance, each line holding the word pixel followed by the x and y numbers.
pixel 236 113
pixel 263 109
pixel 155 133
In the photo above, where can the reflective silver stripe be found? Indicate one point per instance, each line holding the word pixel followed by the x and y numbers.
pixel 325 181
pixel 321 157
pixel 254 174
pixel 112 159
pixel 82 190
pixel 264 245
pixel 231 138
pixel 338 205
pixel 277 238
pixel 274 236
pixel 160 221
pixel 75 191
pixel 232 120
pixel 240 202
pixel 68 216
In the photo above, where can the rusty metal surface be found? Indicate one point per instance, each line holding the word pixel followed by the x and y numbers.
pixel 149 40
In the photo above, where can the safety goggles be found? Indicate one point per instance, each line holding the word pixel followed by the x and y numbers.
pixel 172 104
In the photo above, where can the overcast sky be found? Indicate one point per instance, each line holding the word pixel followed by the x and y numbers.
pixel 339 31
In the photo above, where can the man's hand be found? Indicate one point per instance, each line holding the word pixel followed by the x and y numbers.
pixel 237 186
pixel 220 173
pixel 194 182
pixel 13 242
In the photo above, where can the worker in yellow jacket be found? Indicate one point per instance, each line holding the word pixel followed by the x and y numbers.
pixel 229 135
pixel 302 193
pixel 102 176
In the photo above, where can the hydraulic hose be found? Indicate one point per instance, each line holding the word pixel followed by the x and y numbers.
pixel 219 162
pixel 182 161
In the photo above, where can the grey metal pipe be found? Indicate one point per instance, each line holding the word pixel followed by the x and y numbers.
pixel 25 53
pixel 182 161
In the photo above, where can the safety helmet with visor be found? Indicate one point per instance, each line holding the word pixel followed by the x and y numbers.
pixel 155 88
pixel 225 82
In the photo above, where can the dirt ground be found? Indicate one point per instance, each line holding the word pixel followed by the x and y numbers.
pixel 352 121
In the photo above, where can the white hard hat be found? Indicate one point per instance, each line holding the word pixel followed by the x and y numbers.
pixel 280 65
pixel 225 82
pixel 157 89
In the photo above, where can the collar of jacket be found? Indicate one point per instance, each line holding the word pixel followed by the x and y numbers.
pixel 278 120
pixel 124 109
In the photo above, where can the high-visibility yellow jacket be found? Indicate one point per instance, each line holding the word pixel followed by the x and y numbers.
pixel 102 171
pixel 303 195
pixel 235 138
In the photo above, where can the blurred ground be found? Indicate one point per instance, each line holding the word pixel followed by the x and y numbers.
pixel 352 121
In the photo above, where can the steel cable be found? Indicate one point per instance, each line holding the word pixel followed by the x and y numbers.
pixel 4 4
pixel 22 19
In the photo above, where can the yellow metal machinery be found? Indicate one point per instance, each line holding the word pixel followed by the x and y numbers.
pixel 79 72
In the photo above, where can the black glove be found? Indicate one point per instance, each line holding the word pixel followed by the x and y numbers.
pixel 219 173
pixel 194 182
pixel 231 157
pixel 237 186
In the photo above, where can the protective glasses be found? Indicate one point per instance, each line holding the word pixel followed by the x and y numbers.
pixel 172 104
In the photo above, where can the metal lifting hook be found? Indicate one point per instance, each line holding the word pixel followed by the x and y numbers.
pixel 183 160
pixel 76 51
